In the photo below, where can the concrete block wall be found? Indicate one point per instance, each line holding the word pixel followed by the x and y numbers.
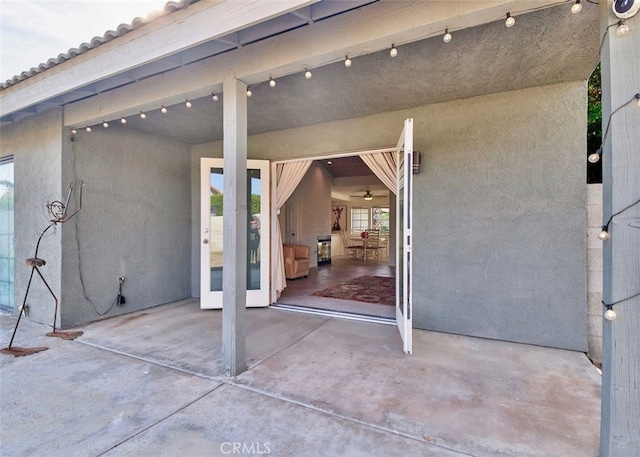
pixel 594 271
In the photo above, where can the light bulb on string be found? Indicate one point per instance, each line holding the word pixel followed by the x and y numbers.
pixel 123 120
pixel 637 96
pixel 307 73
pixel 215 97
pixel 105 124
pixel 164 109
pixel 249 93
pixel 188 103
pixel 142 115
pixel 394 51
pixel 610 314
pixel 510 22
pixel 347 61
pixel 74 131
pixel 576 8
pixel 447 36
pixel 604 233
pixel 272 82
pixel 595 157
pixel 623 29
pixel 88 129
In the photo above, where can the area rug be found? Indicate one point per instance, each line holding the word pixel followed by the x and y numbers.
pixel 371 289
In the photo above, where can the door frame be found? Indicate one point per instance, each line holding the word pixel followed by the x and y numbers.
pixel 325 156
pixel 255 298
pixel 404 147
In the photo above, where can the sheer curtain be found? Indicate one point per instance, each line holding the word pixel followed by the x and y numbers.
pixel 384 166
pixel 288 176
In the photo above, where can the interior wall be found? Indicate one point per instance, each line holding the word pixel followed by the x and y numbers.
pixel 135 222
pixel 499 209
pixel 313 209
pixel 36 144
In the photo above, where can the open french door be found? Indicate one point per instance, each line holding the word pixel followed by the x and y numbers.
pixel 211 233
pixel 404 289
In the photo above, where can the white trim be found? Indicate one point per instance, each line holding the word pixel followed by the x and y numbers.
pixel 335 155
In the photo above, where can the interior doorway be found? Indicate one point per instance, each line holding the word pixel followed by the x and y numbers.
pixel 349 284
pixel 394 168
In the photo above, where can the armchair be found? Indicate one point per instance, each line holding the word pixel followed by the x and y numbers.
pixel 296 260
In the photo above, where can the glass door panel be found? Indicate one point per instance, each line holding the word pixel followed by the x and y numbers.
pixel 404 298
pixel 6 234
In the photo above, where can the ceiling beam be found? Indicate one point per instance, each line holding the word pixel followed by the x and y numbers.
pixel 163 37
pixel 358 32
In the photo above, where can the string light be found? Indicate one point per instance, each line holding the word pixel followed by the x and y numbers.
pixel 447 36
pixel 347 61
pixel 593 158
pixel 609 314
pixel 510 22
pixel 576 8
pixel 123 120
pixel 604 234
pixel 105 124
pixel 164 109
pixel 394 51
pixel 307 73
pixel 74 131
pixel 623 28
pixel 88 129
pixel 142 115
pixel 272 82
pixel 249 93
pixel 188 104
pixel 215 97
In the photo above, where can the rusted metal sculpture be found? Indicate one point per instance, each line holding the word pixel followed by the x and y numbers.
pixel 58 214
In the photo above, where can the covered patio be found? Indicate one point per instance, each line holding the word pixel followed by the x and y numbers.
pixel 151 383
pixel 501 111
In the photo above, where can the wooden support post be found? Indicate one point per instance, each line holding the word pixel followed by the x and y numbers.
pixel 620 417
pixel 234 276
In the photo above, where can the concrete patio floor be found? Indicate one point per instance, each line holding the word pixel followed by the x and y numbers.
pixel 149 383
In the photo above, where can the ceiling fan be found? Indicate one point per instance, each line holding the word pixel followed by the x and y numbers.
pixel 368 196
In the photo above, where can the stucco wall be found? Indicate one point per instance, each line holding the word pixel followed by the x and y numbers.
pixel 499 209
pixel 135 223
pixel 36 144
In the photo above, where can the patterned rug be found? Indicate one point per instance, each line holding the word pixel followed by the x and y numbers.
pixel 371 289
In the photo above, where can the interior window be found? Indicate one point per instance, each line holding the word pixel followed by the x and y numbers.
pixel 359 219
pixel 380 220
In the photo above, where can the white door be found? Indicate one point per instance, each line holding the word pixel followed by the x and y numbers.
pixel 211 234
pixel 404 297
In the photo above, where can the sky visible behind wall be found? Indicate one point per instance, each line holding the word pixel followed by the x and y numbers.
pixel 33 31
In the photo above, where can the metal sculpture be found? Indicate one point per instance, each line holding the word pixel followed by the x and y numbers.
pixel 58 214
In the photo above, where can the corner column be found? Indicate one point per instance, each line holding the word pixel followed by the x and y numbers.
pixel 234 277
pixel 620 416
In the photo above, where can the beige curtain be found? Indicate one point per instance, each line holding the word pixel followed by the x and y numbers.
pixel 288 176
pixel 384 165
